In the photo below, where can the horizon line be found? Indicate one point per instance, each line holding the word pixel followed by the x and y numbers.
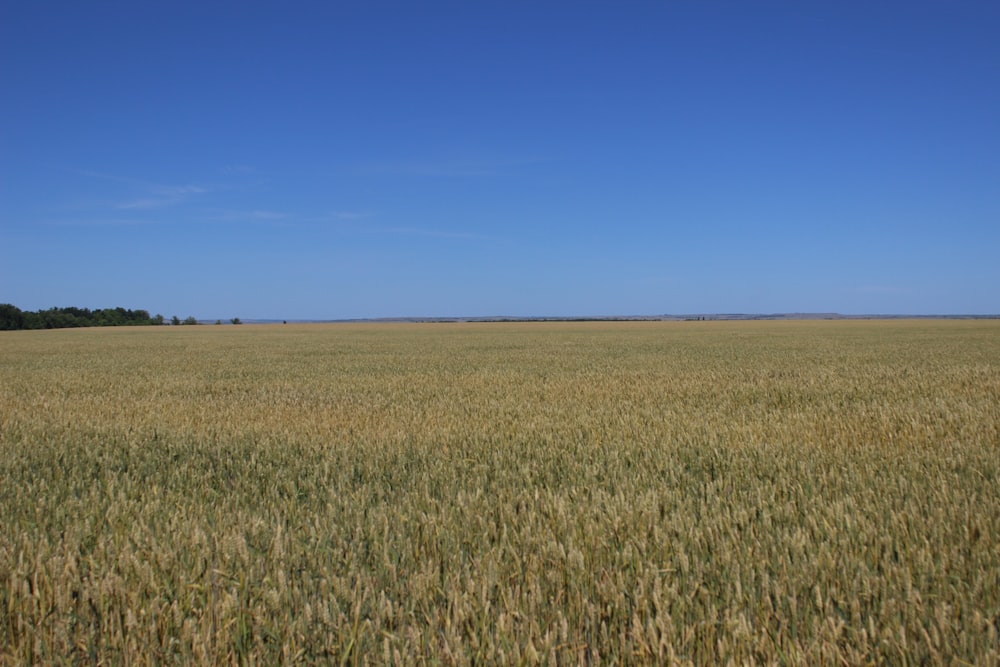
pixel 666 317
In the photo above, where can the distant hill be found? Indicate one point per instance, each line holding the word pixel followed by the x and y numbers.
pixel 631 318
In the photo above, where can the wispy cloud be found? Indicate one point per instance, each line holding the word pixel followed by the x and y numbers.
pixel 151 186
pixel 150 195
pixel 163 196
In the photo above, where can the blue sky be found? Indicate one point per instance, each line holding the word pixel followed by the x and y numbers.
pixel 321 160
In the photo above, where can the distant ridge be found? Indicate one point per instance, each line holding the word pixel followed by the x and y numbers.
pixel 632 318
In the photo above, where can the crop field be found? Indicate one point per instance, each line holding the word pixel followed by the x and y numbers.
pixel 816 493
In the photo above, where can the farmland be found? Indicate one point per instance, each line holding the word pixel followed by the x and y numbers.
pixel 467 493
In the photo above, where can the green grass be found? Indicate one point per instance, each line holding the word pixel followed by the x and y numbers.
pixel 689 493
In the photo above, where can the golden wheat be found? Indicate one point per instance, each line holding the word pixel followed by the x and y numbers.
pixel 563 493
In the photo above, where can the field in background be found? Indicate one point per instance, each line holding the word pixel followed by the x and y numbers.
pixel 697 492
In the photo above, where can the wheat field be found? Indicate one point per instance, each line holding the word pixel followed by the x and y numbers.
pixel 814 493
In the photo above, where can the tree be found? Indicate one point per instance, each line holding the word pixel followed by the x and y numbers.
pixel 190 319
pixel 175 320
pixel 236 320
pixel 11 317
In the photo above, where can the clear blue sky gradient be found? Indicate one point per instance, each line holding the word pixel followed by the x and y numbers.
pixel 325 160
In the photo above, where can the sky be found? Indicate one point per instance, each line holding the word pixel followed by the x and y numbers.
pixel 333 160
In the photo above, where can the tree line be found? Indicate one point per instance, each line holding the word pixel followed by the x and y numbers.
pixel 12 317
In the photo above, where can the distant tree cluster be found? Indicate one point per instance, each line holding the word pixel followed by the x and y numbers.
pixel 12 317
